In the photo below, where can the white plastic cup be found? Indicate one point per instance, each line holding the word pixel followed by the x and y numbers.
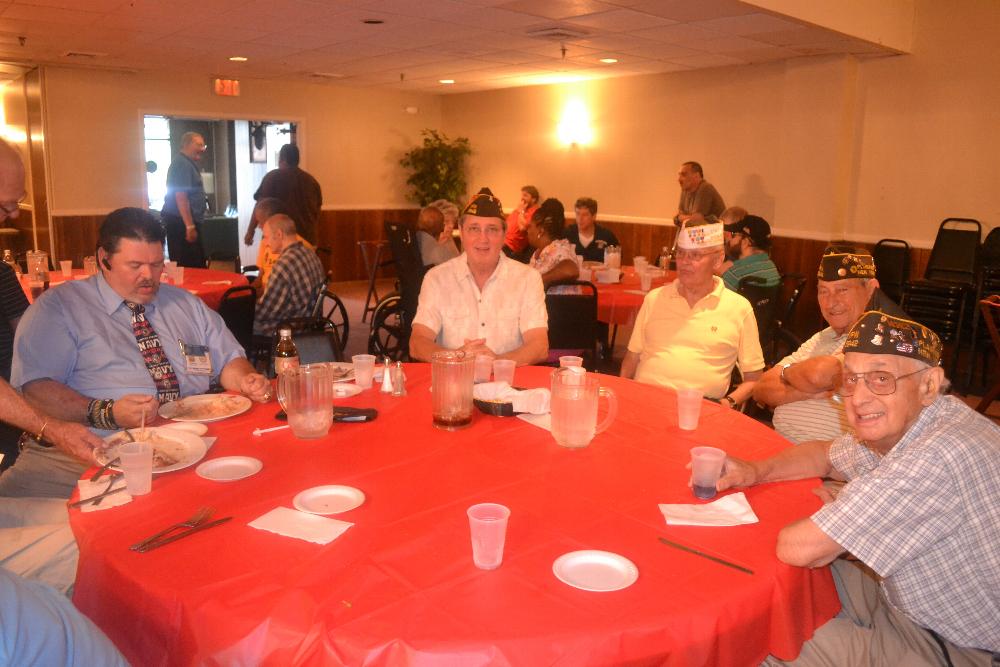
pixel 645 280
pixel 503 370
pixel 178 275
pixel 688 407
pixel 569 360
pixel 137 464
pixel 364 370
pixel 67 268
pixel 484 366
pixel 488 529
pixel 640 263
pixel 706 467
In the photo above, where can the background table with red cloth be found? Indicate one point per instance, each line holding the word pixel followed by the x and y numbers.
pixel 399 587
pixel 194 282
pixel 618 303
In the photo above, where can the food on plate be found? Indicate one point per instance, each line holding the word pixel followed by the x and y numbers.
pixel 214 408
pixel 166 451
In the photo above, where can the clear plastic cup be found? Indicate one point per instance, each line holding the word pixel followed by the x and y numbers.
pixel 484 366
pixel 488 529
pixel 645 280
pixel 569 360
pixel 137 464
pixel 66 266
pixel 706 467
pixel 688 407
pixel 364 370
pixel 503 370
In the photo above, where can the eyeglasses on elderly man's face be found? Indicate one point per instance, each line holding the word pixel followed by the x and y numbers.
pixel 880 383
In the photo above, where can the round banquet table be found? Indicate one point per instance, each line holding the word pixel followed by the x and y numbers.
pixel 618 303
pixel 399 587
pixel 208 284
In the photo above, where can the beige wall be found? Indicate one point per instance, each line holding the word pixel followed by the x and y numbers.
pixel 351 139
pixel 823 147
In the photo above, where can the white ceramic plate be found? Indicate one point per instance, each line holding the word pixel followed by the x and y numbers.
pixel 205 408
pixel 191 427
pixel 342 372
pixel 330 499
pixel 175 449
pixel 229 468
pixel 592 570
pixel 345 390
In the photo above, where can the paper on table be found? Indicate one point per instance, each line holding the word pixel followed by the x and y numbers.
pixel 635 291
pixel 217 282
pixel 90 489
pixel 541 421
pixel 731 510
pixel 301 525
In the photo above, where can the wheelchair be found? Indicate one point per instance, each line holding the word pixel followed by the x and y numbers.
pixel 393 316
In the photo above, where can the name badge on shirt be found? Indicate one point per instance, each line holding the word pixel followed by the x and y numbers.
pixel 197 359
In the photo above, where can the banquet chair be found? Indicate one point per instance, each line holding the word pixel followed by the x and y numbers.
pixel 892 266
pixel 938 300
pixel 785 341
pixel 237 308
pixel 573 327
pixel 990 308
pixel 394 313
pixel 224 261
pixel 315 338
pixel 330 308
pixel 765 310
pixel 988 284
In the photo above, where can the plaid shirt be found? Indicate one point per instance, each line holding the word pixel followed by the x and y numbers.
pixel 292 288
pixel 926 518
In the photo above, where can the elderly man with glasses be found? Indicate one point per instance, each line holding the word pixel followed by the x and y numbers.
pixel 919 509
pixel 482 302
pixel 693 331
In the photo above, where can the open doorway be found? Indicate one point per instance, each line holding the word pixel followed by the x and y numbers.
pixel 239 153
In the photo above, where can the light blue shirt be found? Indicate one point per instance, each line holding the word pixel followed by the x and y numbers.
pixel 38 626
pixel 80 334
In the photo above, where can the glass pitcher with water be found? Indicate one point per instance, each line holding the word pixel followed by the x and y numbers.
pixel 38 271
pixel 306 395
pixel 574 407
pixel 452 376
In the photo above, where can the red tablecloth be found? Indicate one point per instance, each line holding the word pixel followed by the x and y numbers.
pixel 619 303
pixel 194 281
pixel 399 587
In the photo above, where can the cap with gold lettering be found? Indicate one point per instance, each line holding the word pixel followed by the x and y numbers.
pixel 878 333
pixel 484 205
pixel 839 265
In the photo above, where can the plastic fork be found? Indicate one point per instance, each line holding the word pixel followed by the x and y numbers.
pixel 195 520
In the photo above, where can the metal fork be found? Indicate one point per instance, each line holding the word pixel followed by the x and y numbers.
pixel 195 520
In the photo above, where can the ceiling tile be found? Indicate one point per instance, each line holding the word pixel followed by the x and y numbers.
pixel 707 60
pixel 557 9
pixel 618 20
pixel 686 10
pixel 678 34
pixel 748 24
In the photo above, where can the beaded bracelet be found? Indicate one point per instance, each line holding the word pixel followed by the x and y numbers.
pixel 100 414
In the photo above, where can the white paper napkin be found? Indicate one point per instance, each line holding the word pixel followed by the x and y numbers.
pixel 731 510
pixel 635 291
pixel 301 525
pixel 533 401
pixel 90 489
pixel 541 421
pixel 217 282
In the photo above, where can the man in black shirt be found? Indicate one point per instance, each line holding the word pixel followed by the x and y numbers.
pixel 589 237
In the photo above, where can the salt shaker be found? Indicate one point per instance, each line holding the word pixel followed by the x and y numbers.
pixel 398 380
pixel 386 377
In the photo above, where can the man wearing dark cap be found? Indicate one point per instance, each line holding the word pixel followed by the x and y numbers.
pixel 800 388
pixel 919 509
pixel 482 302
pixel 749 241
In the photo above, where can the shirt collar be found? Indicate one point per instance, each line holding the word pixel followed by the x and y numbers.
pixel 465 273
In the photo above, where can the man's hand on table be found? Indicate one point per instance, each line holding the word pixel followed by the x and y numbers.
pixel 256 387
pixel 129 409
pixel 736 473
pixel 477 346
pixel 75 439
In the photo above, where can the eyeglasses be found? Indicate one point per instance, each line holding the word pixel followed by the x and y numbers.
pixel 880 383
pixel 491 230
pixel 693 255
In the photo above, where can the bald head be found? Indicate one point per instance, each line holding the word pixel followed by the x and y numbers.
pixel 279 233
pixel 11 180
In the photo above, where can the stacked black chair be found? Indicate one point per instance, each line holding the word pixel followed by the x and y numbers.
pixel 939 299
pixel 393 315
pixel 237 308
pixel 989 284
pixel 892 266
pixel 223 261
pixel 573 328
pixel 765 309
pixel 990 308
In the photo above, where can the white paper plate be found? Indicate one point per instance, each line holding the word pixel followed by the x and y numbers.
pixel 330 499
pixel 229 468
pixel 205 408
pixel 184 448
pixel 342 372
pixel 191 427
pixel 345 390
pixel 592 570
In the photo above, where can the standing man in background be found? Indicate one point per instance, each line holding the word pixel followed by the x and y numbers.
pixel 700 201
pixel 184 205
pixel 297 190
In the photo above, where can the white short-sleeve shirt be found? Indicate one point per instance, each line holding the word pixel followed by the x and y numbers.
pixel 511 303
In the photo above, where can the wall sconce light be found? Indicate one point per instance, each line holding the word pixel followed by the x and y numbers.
pixel 574 127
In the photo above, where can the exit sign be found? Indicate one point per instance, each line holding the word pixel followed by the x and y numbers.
pixel 226 87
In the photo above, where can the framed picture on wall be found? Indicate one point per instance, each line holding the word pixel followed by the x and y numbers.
pixel 258 142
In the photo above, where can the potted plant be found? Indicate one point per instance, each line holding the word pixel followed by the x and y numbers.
pixel 438 168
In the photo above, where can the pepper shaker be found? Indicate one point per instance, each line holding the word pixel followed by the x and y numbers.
pixel 398 380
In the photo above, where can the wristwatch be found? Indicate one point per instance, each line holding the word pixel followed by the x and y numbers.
pixel 781 375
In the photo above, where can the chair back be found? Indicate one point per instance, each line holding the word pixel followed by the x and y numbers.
pixel 237 308
pixel 330 308
pixel 573 320
pixel 765 309
pixel 224 261
pixel 792 286
pixel 892 266
pixel 315 338
pixel 410 271
pixel 955 253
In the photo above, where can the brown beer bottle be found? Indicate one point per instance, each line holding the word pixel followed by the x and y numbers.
pixel 286 355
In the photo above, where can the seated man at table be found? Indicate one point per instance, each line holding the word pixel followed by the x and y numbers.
pixel 296 278
pixel 800 388
pixel 434 237
pixel 692 332
pixel 749 241
pixel 108 350
pixel 482 302
pixel 262 210
pixel 919 509
pixel 589 237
